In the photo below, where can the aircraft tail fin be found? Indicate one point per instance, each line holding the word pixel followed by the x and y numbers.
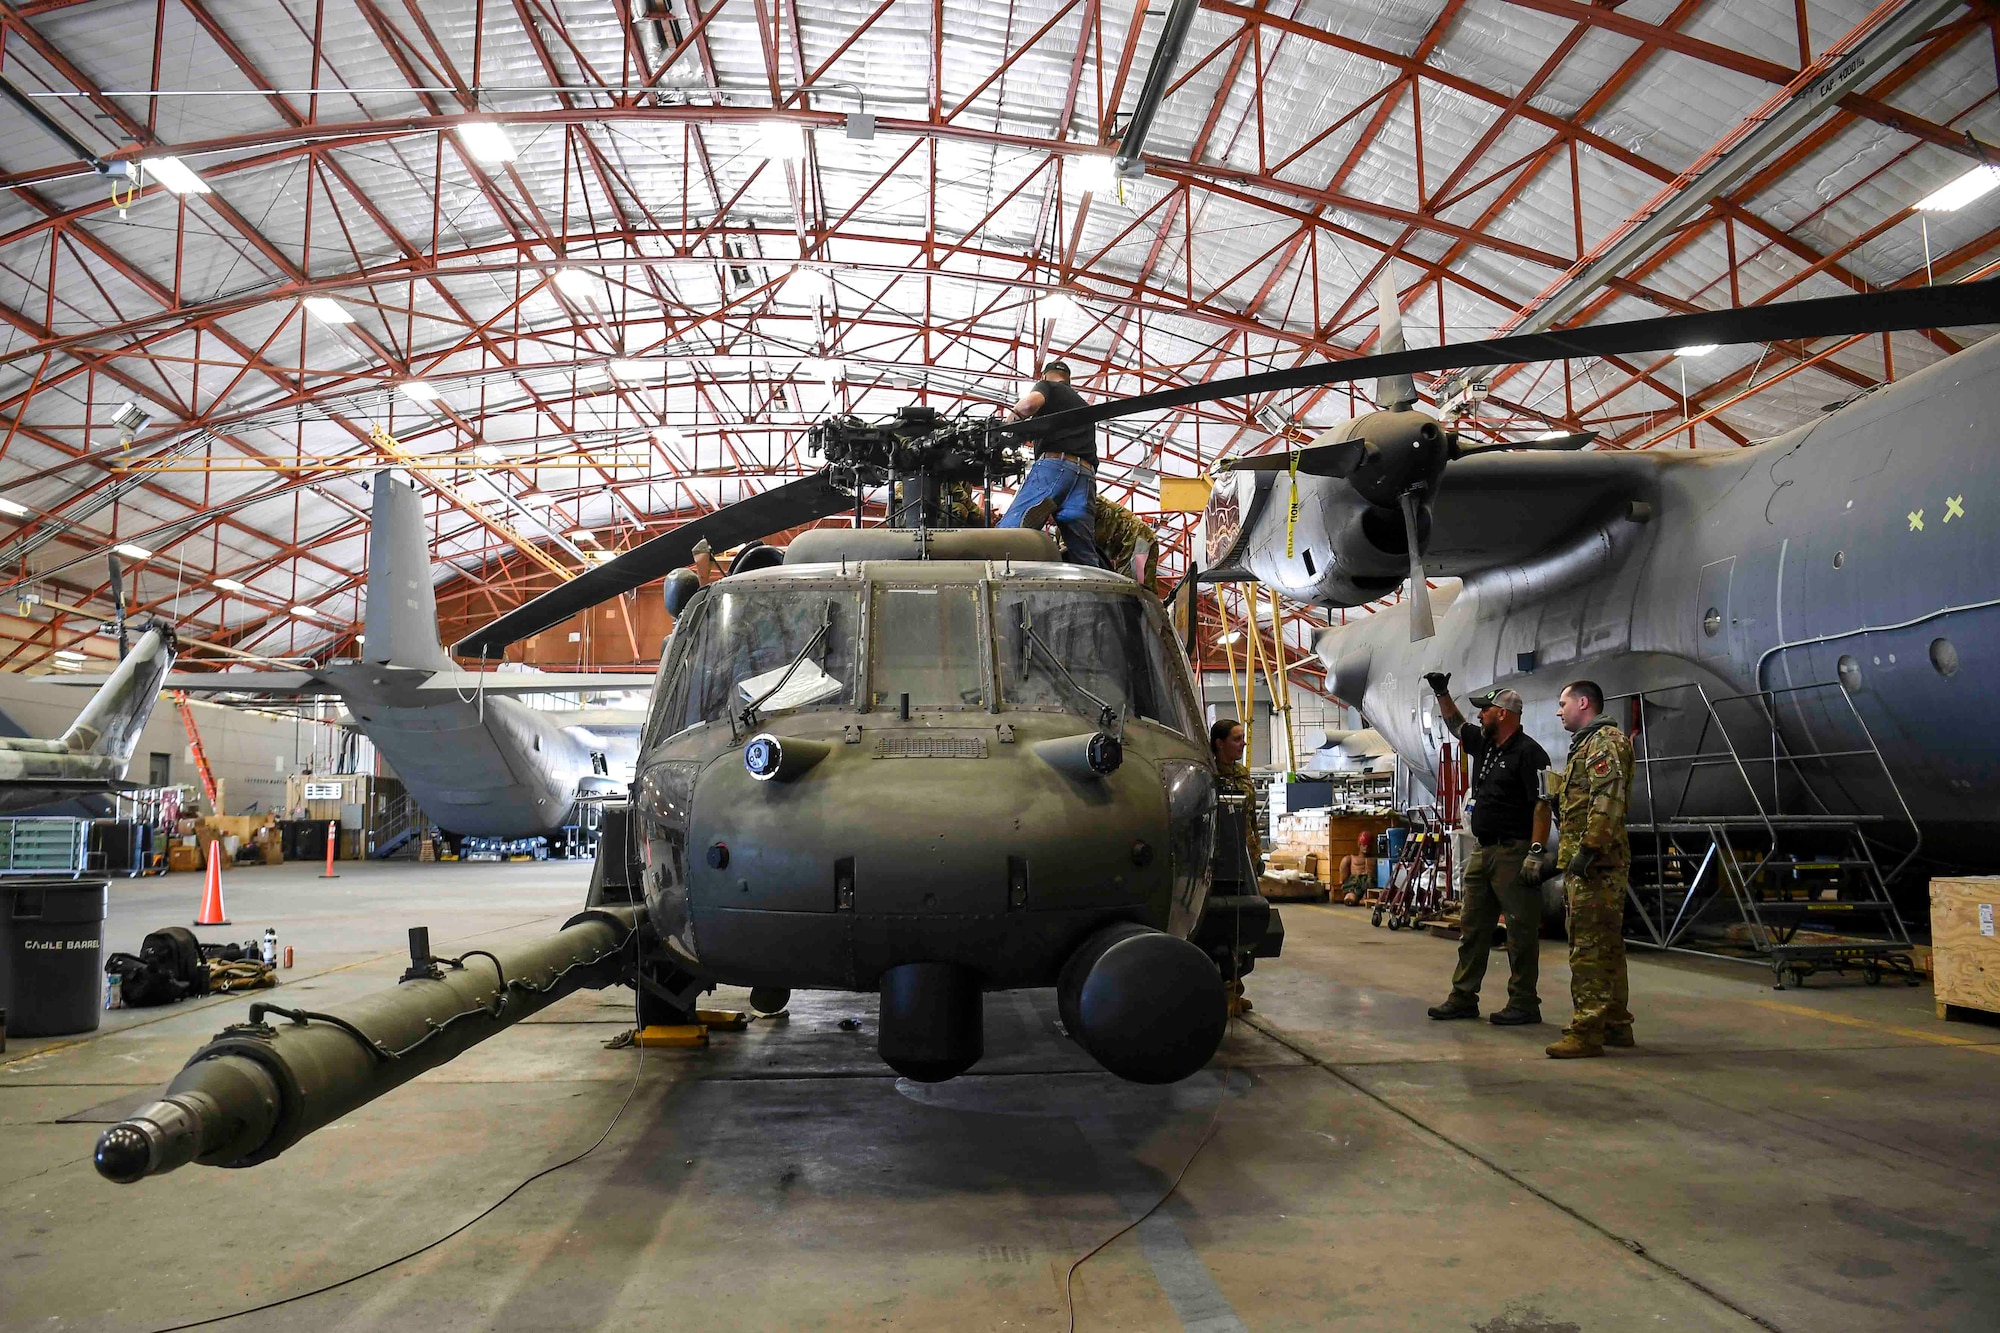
pixel 111 722
pixel 400 623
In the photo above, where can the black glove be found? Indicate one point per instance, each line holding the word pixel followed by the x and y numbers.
pixel 1439 681
pixel 1580 864
pixel 1534 868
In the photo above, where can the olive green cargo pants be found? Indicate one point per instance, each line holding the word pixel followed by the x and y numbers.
pixel 1494 891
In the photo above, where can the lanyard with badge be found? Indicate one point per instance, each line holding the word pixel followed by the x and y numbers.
pixel 1487 759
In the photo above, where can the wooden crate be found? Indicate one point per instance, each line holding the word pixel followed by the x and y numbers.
pixel 1965 943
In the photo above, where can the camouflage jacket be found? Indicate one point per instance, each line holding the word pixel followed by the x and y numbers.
pixel 1593 793
pixel 1120 535
pixel 1234 780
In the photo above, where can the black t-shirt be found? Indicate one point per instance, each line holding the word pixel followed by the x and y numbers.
pixel 1506 784
pixel 1077 441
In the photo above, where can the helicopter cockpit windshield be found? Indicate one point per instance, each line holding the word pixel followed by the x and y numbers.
pixel 1105 655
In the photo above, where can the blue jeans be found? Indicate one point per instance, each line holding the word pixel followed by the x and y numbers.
pixel 1059 488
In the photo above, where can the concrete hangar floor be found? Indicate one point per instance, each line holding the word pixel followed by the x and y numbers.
pixel 1811 1160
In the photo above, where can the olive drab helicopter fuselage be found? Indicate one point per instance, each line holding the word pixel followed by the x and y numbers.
pixel 962 769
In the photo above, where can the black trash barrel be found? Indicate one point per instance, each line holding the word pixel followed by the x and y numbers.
pixel 52 955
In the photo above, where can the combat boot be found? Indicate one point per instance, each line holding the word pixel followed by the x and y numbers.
pixel 1573 1047
pixel 1620 1037
pixel 1454 1007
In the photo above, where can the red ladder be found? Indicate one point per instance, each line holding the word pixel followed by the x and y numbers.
pixel 194 744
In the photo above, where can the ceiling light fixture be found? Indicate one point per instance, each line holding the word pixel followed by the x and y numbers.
pixel 1060 306
pixel 69 655
pixel 633 368
pixel 132 552
pixel 1699 349
pixel 1974 184
pixel 669 437
pixel 230 585
pixel 583 535
pixel 420 391
pixel 1096 173
pixel 576 284
pixel 486 453
pixel 535 499
pixel 12 510
pixel 327 310
pixel 487 142
pixel 781 141
pixel 174 175
pixel 305 613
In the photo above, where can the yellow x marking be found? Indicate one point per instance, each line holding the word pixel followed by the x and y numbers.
pixel 1954 507
pixel 1916 520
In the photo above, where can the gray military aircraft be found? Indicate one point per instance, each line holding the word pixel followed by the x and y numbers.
pixel 92 755
pixel 473 756
pixel 1856 551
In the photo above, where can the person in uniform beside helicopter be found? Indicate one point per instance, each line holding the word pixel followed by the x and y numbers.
pixel 1126 545
pixel 1063 480
pixel 1227 741
pixel 1596 788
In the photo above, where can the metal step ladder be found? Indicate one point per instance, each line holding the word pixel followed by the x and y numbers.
pixel 1745 820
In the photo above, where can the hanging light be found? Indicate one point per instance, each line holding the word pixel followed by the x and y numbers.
pixel 1060 307
pixel 420 391
pixel 576 283
pixel 230 585
pixel 487 141
pixel 1698 350
pixel 781 141
pixel 132 551
pixel 174 175
pixel 1974 184
pixel 1096 173
pixel 327 310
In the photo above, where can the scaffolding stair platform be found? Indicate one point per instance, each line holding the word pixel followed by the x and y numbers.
pixel 1740 831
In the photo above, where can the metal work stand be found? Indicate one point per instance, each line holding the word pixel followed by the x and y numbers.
pixel 1800 869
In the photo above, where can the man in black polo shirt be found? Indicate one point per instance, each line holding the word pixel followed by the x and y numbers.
pixel 1063 479
pixel 1503 876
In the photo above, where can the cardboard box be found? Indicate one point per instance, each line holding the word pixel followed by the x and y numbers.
pixel 1965 942
pixel 182 856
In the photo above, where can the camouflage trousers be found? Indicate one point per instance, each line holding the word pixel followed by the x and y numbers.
pixel 1597 984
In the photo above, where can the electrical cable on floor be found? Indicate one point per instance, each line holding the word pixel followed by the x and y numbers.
pixel 467 1225
pixel 1214 1122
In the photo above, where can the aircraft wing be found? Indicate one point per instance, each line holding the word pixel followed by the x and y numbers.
pixel 1501 508
pixel 464 683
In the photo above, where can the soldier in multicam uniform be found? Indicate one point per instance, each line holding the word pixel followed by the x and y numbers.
pixel 1595 789
pixel 1226 740
pixel 1127 545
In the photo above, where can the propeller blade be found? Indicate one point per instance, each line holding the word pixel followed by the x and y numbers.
pixel 1825 317
pixel 781 507
pixel 1574 440
pixel 1421 624
pixel 1393 393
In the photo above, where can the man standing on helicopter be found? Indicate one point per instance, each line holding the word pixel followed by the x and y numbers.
pixel 1063 480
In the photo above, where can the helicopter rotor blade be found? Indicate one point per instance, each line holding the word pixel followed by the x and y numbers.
pixel 1336 460
pixel 1422 626
pixel 781 507
pixel 1889 311
pixel 118 603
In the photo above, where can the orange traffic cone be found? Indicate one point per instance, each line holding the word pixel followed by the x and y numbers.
pixel 211 913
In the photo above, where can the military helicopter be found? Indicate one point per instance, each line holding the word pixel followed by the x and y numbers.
pixel 915 760
pixel 922 761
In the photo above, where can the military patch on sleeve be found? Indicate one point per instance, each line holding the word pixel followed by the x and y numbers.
pixel 1602 766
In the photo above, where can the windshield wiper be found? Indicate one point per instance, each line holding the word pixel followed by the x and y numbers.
pixel 1109 719
pixel 749 714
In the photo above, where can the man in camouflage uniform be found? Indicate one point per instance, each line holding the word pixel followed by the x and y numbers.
pixel 1596 788
pixel 1226 741
pixel 1128 546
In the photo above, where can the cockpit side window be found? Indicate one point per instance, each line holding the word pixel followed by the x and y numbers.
pixel 1066 649
pixel 670 691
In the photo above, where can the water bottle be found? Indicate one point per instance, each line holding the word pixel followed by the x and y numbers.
pixel 269 951
pixel 114 991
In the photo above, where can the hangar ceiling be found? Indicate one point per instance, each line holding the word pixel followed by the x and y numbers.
pixel 586 268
